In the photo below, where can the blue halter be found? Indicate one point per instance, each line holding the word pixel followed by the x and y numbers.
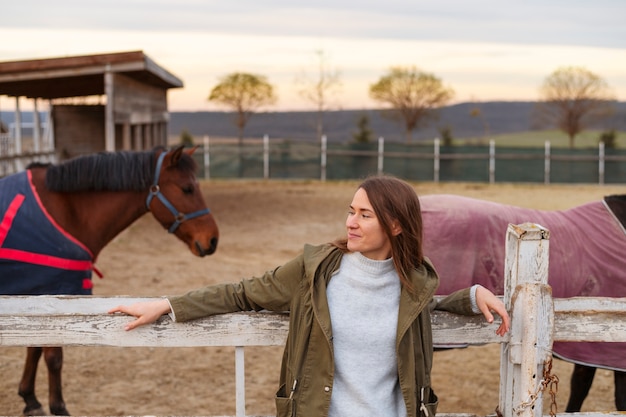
pixel 155 190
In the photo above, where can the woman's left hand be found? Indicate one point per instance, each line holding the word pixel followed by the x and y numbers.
pixel 487 303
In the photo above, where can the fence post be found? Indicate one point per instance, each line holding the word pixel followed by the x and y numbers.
pixel 207 158
pixel 266 156
pixel 240 382
pixel 528 298
pixel 601 163
pixel 323 159
pixel 492 161
pixel 436 161
pixel 546 163
pixel 381 154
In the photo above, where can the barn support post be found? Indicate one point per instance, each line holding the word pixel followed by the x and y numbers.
pixel 137 137
pixel 17 148
pixel 109 121
pixel 36 127
pixel 528 298
pixel 126 136
pixel 48 136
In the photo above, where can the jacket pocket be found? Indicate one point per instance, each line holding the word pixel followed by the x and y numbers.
pixel 428 403
pixel 285 406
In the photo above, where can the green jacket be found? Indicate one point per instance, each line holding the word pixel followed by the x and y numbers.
pixel 299 286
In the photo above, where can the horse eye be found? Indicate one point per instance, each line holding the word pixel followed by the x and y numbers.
pixel 188 189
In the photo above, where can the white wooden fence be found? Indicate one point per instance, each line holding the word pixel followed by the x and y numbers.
pixel 537 321
pixel 437 157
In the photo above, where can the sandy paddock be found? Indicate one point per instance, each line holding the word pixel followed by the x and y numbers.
pixel 262 224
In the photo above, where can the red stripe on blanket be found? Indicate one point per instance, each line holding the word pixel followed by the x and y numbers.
pixel 50 219
pixel 9 215
pixel 45 260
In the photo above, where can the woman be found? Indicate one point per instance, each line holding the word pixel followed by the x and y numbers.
pixel 360 338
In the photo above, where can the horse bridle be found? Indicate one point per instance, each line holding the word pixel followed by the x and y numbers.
pixel 155 190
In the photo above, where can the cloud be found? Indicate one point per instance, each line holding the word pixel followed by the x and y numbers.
pixel 484 49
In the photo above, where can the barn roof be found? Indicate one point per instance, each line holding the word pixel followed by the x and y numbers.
pixel 78 76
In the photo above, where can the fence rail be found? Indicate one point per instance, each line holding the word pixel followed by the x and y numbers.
pixel 536 321
pixel 308 160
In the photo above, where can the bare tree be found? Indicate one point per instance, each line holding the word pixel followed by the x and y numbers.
pixel 573 98
pixel 244 93
pixel 319 90
pixel 478 113
pixel 414 96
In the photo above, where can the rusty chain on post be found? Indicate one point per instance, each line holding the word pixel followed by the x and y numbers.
pixel 548 380
pixel 553 381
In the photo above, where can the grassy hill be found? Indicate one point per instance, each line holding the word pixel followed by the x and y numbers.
pixel 505 121
pixel 509 123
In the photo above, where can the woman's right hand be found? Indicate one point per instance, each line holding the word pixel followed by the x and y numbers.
pixel 146 312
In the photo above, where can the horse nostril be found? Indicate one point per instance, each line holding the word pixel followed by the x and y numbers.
pixel 208 251
pixel 213 246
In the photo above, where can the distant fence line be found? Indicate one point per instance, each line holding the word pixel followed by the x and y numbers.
pixel 335 161
pixel 325 160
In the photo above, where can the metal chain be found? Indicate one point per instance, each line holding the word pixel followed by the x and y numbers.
pixel 553 380
pixel 548 379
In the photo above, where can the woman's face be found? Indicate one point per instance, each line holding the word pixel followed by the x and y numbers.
pixel 365 233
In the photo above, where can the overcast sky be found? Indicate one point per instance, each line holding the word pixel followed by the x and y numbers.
pixel 482 49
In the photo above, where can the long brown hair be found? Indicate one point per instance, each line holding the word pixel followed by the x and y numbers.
pixel 395 200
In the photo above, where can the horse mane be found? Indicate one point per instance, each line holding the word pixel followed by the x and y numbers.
pixel 617 204
pixel 103 171
pixel 110 171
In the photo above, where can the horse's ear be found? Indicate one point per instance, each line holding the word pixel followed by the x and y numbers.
pixel 190 151
pixel 176 154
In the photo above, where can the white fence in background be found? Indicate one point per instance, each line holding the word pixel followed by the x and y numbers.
pixel 437 157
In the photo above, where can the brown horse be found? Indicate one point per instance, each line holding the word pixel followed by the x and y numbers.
pixel 465 238
pixel 84 203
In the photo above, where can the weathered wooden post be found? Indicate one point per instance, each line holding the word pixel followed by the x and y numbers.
pixel 528 298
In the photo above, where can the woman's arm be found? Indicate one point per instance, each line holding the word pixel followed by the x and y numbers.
pixel 476 300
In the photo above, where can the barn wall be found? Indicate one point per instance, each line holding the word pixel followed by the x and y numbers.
pixel 78 129
pixel 138 102
pixel 140 114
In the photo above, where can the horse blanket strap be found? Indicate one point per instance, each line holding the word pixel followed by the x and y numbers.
pixel 155 190
pixel 36 255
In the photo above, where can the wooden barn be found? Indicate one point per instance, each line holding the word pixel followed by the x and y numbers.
pixel 104 102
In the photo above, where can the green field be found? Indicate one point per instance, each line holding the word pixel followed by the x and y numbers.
pixel 537 139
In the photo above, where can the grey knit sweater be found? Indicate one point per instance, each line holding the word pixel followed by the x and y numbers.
pixel 363 297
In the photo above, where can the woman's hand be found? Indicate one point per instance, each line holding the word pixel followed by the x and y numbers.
pixel 487 303
pixel 146 312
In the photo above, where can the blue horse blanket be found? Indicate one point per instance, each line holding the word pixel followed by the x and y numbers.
pixel 37 257
pixel 465 240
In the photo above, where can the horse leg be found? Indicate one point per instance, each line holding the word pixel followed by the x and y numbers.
pixel 26 388
pixel 620 390
pixel 54 361
pixel 580 383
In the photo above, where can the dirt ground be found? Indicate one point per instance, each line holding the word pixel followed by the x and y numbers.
pixel 262 225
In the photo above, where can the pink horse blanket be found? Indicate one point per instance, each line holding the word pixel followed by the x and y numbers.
pixel 465 240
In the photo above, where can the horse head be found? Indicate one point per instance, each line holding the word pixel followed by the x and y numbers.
pixel 176 201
